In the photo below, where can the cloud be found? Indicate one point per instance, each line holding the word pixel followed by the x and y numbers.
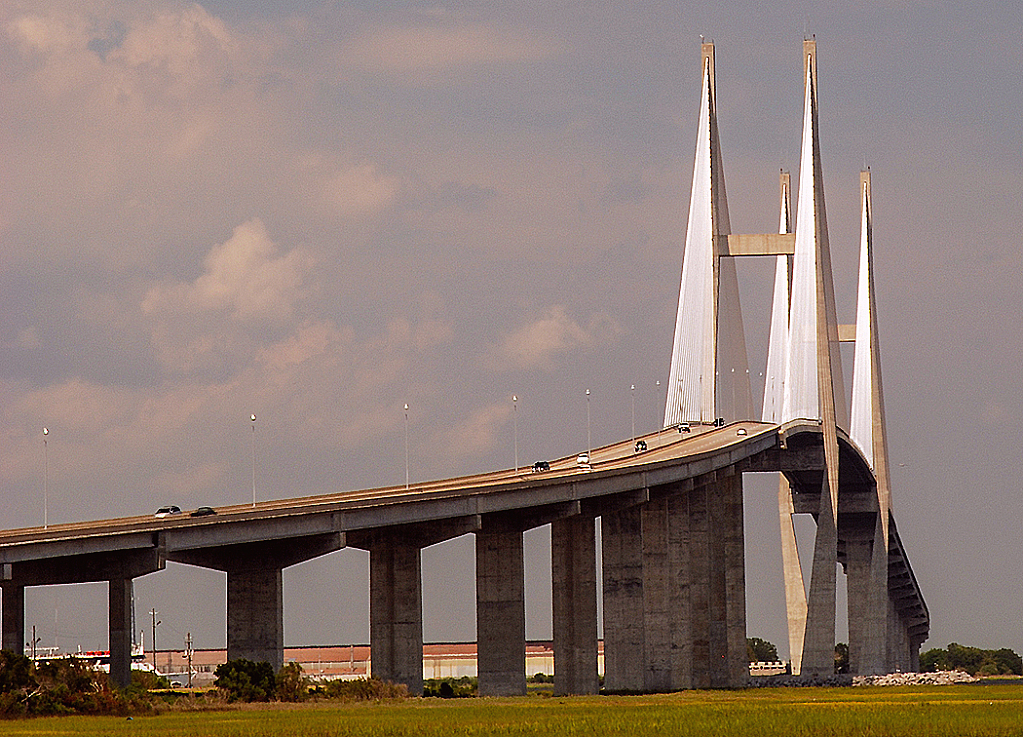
pixel 203 324
pixel 244 277
pixel 360 190
pixel 409 50
pixel 477 433
pixel 541 342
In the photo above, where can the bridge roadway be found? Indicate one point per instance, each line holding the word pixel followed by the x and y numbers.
pixel 637 495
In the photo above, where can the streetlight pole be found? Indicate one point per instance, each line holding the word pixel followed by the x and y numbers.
pixel 252 418
pixel 657 401
pixel 46 479
pixel 632 393
pixel 153 613
pixel 515 428
pixel 406 446
pixel 589 443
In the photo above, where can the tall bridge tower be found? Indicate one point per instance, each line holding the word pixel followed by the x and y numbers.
pixel 709 376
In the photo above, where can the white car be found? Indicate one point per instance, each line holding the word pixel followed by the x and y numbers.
pixel 583 460
pixel 169 511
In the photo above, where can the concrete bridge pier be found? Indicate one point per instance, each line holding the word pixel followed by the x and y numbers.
pixel 574 591
pixel 117 567
pixel 255 612
pixel 119 626
pixel 12 618
pixel 396 593
pixel 500 612
pixel 396 612
pixel 621 535
pixel 866 569
pixel 255 592
pixel 500 593
pixel 674 589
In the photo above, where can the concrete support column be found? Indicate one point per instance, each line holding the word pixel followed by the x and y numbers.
pixel 119 627
pixel 500 613
pixel 914 655
pixel 622 546
pixel 819 641
pixel 795 590
pixel 732 530
pixel 574 589
pixel 727 594
pixel 866 571
pixel 255 614
pixel 396 612
pixel 657 589
pixel 699 586
pixel 13 618
pixel 899 655
pixel 679 577
pixel 857 575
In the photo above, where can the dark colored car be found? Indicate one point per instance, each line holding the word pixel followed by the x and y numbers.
pixel 203 512
pixel 640 446
pixel 541 466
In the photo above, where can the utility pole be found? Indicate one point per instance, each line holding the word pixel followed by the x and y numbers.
pixel 153 613
pixel 35 641
pixel 188 656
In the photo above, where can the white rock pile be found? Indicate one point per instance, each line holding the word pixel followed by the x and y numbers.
pixel 940 678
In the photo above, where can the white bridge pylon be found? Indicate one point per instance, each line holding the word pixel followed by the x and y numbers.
pixel 709 375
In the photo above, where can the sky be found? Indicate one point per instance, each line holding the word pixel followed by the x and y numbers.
pixel 317 211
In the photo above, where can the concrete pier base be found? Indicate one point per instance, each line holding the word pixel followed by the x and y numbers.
pixel 255 613
pixel 574 593
pixel 396 612
pixel 119 619
pixel 657 597
pixel 500 613
pixel 727 519
pixel 819 640
pixel 622 550
pixel 866 568
pixel 12 618
pixel 699 589
pixel 680 592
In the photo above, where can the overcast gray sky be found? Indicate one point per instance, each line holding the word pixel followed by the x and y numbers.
pixel 318 211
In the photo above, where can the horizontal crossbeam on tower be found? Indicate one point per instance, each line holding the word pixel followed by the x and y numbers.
pixel 756 244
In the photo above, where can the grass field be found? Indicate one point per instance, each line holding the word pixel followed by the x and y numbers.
pixel 975 710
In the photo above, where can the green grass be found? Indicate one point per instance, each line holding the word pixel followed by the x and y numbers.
pixel 973 710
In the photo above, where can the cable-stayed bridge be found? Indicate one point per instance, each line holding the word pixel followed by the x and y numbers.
pixel 670 508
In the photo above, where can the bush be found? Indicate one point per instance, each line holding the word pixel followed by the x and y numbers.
pixel 450 688
pixel 364 689
pixel 243 680
pixel 291 684
pixel 15 672
pixel 147 680
pixel 972 660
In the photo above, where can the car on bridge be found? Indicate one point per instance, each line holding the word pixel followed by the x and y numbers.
pixel 169 511
pixel 541 466
pixel 640 446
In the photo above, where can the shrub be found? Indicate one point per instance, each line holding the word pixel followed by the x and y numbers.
pixel 365 689
pixel 148 681
pixel 291 684
pixel 450 688
pixel 243 680
pixel 15 672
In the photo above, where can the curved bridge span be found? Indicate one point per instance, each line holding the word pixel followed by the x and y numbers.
pixel 672 552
